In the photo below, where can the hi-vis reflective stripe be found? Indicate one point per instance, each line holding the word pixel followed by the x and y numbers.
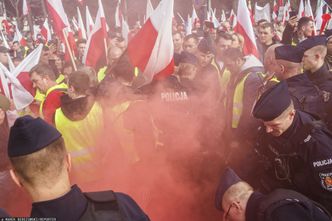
pixel 238 102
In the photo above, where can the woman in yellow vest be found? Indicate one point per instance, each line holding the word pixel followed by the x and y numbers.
pixel 80 120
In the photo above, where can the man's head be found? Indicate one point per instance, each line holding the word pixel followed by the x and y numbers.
pixel 266 33
pixel 313 58
pixel 3 55
pixel 205 52
pixel 177 41
pixel 190 43
pixel 223 42
pixel 16 46
pixel 275 108
pixel 283 61
pixel 78 84
pixel 187 66
pixel 38 155
pixel 237 41
pixel 305 27
pixel 114 53
pixel 232 196
pixel 81 47
pixel 42 77
pixel 233 60
pixel 46 53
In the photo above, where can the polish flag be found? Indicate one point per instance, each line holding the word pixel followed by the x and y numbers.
pixel 60 20
pixel 118 15
pixel 308 10
pixel 194 17
pixel 149 9
pixel 18 37
pixel 287 9
pixel 301 10
pixel 89 21
pixel 5 43
pixel 25 8
pixel 45 31
pixel 223 16
pixel 188 26
pixel 244 27
pixel 215 21
pixel 154 58
pixel 96 49
pixel 233 19
pixel 251 13
pixel 75 24
pixel 21 85
pixel 125 30
pixel 319 14
pixel 275 11
pixel 81 29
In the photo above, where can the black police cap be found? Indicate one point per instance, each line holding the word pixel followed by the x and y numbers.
pixel 3 49
pixel 288 53
pixel 206 46
pixel 29 135
pixel 273 102
pixel 188 58
pixel 228 178
pixel 312 42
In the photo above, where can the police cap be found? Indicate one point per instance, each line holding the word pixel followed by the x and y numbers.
pixel 206 46
pixel 311 42
pixel 273 102
pixel 288 53
pixel 228 178
pixel 188 58
pixel 29 135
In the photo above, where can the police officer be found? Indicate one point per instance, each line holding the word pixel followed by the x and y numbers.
pixel 40 165
pixel 238 201
pixel 297 147
pixel 314 52
pixel 3 214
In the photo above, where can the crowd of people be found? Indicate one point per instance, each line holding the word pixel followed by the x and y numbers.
pixel 248 133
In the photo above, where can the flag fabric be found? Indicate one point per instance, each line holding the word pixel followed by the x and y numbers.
pixel 45 31
pixel 223 16
pixel 214 19
pixel 319 14
pixel 25 8
pixel 325 19
pixel 18 37
pixel 308 10
pixel 262 12
pixel 245 28
pixel 286 14
pixel 275 11
pixel 251 12
pixel 194 17
pixel 301 10
pixel 81 29
pixel 89 21
pixel 233 19
pixel 149 9
pixel 188 26
pixel 5 43
pixel 58 15
pixel 118 16
pixel 20 83
pixel 125 30
pixel 95 49
pixel 154 58
pixel 75 24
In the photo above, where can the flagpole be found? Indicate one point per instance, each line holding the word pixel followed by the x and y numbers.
pixel 69 49
pixel 105 45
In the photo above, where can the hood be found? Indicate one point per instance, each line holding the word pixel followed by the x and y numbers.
pixel 251 62
pixel 76 109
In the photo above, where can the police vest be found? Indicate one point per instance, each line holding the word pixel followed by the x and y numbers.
pixel 60 87
pixel 102 206
pixel 282 197
pixel 80 136
pixel 60 79
pixel 101 74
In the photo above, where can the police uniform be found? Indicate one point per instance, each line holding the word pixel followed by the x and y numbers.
pixel 301 158
pixel 322 78
pixel 280 205
pixel 3 214
pixel 36 134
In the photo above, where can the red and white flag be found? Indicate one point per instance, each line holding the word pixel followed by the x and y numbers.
pixel 89 21
pixel 287 10
pixel 214 20
pixel 5 43
pixel 319 14
pixel 21 85
pixel 188 26
pixel 25 8
pixel 154 58
pixel 275 11
pixel 223 16
pixel 58 15
pixel 308 10
pixel 244 27
pixel 45 31
pixel 233 19
pixel 262 12
pixel 81 29
pixel 18 37
pixel 96 49
pixel 149 9
pixel 301 10
pixel 194 17
pixel 125 30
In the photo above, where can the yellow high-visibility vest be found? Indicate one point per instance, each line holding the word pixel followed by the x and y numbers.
pixel 101 74
pixel 62 86
pixel 81 136
pixel 238 102
pixel 60 79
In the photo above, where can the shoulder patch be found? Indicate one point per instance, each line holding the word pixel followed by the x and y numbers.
pixel 326 181
pixel 307 139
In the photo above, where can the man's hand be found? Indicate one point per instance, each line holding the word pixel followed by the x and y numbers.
pixel 293 21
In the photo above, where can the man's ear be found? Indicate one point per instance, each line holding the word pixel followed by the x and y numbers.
pixel 68 162
pixel 15 178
